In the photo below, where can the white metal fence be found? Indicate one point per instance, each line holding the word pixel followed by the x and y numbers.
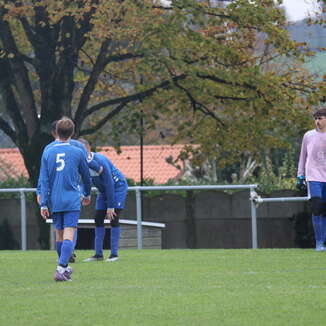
pixel 252 198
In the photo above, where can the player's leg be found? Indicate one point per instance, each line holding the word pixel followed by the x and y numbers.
pixel 120 198
pixel 70 220
pixel 58 217
pixel 99 233
pixel 58 223
pixel 323 217
pixel 99 236
pixel 67 246
pixel 315 191
pixel 72 259
pixel 115 236
pixel 58 241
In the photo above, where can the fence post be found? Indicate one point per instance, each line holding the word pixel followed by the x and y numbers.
pixel 139 219
pixel 23 225
pixel 253 218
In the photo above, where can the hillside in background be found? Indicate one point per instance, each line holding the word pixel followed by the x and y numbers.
pixel 314 36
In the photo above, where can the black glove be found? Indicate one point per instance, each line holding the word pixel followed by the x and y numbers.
pixel 301 184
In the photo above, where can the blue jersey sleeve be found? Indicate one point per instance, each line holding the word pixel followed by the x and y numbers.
pixel 86 178
pixel 38 188
pixel 108 184
pixel 44 182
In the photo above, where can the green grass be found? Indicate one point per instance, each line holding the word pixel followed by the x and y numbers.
pixel 167 287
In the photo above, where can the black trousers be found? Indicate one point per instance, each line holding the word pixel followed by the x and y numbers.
pixel 101 214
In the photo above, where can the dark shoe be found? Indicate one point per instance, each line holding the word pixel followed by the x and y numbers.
pixel 94 258
pixel 68 272
pixel 72 259
pixel 112 258
pixel 60 276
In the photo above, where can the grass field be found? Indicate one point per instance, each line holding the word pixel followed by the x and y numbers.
pixel 167 287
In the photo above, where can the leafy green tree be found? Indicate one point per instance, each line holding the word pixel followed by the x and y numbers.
pixel 73 58
pixel 239 82
pixel 202 65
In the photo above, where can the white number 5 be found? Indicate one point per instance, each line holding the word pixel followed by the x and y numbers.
pixel 61 161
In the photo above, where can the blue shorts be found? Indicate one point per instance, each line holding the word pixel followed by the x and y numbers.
pixel 120 195
pixel 317 189
pixel 63 220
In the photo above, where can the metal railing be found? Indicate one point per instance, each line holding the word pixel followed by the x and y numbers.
pixel 138 190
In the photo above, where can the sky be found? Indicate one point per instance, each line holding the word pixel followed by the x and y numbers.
pixel 295 9
pixel 299 9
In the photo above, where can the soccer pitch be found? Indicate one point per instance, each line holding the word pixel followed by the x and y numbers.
pixel 167 287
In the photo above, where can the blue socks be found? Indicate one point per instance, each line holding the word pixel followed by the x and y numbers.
pixel 98 241
pixel 319 228
pixel 323 228
pixel 115 237
pixel 99 238
pixel 66 252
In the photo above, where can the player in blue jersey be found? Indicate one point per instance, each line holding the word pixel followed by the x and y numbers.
pixel 112 187
pixel 91 164
pixel 62 166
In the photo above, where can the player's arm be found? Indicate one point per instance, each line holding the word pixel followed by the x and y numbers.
pixel 303 156
pixel 301 180
pixel 86 181
pixel 38 190
pixel 109 190
pixel 44 188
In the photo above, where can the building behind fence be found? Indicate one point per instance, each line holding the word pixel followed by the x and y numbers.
pixel 205 219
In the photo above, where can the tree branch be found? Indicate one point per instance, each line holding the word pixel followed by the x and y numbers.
pixel 199 106
pixel 233 98
pixel 18 71
pixel 131 98
pixel 85 25
pixel 11 106
pixel 92 80
pixel 28 31
pixel 5 127
pixel 122 57
pixel 222 81
pixel 103 121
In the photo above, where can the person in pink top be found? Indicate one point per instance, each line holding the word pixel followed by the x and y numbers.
pixel 312 170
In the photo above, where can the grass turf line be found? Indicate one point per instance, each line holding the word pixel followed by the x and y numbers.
pixel 167 287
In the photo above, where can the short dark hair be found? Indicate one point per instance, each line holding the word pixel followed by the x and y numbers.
pixel 84 141
pixel 54 126
pixel 320 113
pixel 65 128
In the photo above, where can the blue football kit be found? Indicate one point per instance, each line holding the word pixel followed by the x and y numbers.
pixel 111 184
pixel 61 167
pixel 91 164
pixel 113 187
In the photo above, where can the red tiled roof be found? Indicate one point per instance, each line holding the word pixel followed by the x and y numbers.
pixel 11 164
pixel 154 161
pixel 128 161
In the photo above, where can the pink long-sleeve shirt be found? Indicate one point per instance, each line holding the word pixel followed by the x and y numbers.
pixel 312 162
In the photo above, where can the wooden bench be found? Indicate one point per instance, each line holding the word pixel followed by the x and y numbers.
pixel 151 233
